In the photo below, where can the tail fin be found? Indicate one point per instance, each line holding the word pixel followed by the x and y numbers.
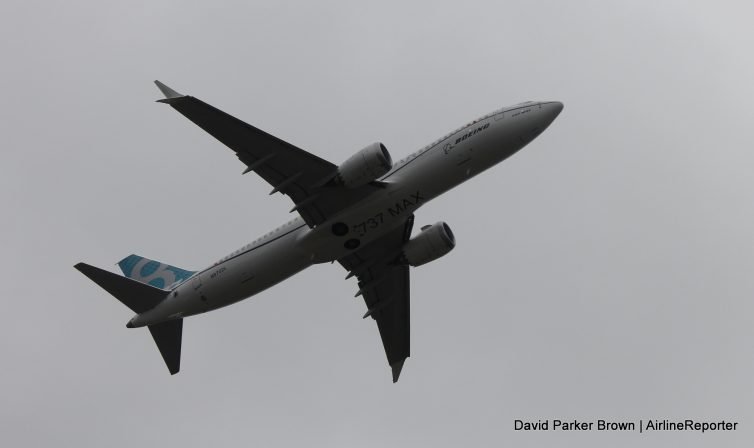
pixel 154 273
pixel 137 296
pixel 167 336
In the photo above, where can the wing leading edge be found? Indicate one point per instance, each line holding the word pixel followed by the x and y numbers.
pixel 385 288
pixel 302 176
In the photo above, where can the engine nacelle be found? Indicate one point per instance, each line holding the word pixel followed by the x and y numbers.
pixel 365 166
pixel 432 243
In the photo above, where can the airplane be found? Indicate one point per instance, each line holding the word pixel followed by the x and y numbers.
pixel 359 213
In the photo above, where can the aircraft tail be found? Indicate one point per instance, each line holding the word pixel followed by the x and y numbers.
pixel 141 297
pixel 153 273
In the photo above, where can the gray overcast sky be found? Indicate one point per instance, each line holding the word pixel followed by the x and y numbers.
pixel 603 272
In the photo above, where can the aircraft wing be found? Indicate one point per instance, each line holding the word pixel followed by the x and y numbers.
pixel 290 170
pixel 385 288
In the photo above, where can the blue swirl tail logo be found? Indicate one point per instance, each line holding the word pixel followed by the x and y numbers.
pixel 153 273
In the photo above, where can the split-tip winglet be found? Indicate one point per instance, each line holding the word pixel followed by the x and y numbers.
pixel 397 367
pixel 168 92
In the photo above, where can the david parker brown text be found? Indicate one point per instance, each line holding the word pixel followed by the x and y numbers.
pixel 641 425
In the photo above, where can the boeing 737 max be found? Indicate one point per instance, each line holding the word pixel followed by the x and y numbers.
pixel 359 213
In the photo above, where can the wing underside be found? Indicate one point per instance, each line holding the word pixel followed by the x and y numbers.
pixel 302 176
pixel 384 285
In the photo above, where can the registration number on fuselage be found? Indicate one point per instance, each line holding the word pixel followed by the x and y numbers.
pixel 217 272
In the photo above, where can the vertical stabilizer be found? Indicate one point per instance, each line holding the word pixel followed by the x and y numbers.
pixel 153 273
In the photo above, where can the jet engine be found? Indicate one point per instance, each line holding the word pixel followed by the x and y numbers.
pixel 365 166
pixel 432 243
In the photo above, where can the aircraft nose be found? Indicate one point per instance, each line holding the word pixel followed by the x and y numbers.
pixel 549 111
pixel 554 108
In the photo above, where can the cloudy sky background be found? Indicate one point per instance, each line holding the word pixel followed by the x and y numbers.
pixel 605 271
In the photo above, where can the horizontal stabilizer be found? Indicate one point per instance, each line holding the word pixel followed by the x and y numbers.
pixel 167 336
pixel 135 295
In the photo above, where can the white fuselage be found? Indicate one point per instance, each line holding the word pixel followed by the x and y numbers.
pixel 411 183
